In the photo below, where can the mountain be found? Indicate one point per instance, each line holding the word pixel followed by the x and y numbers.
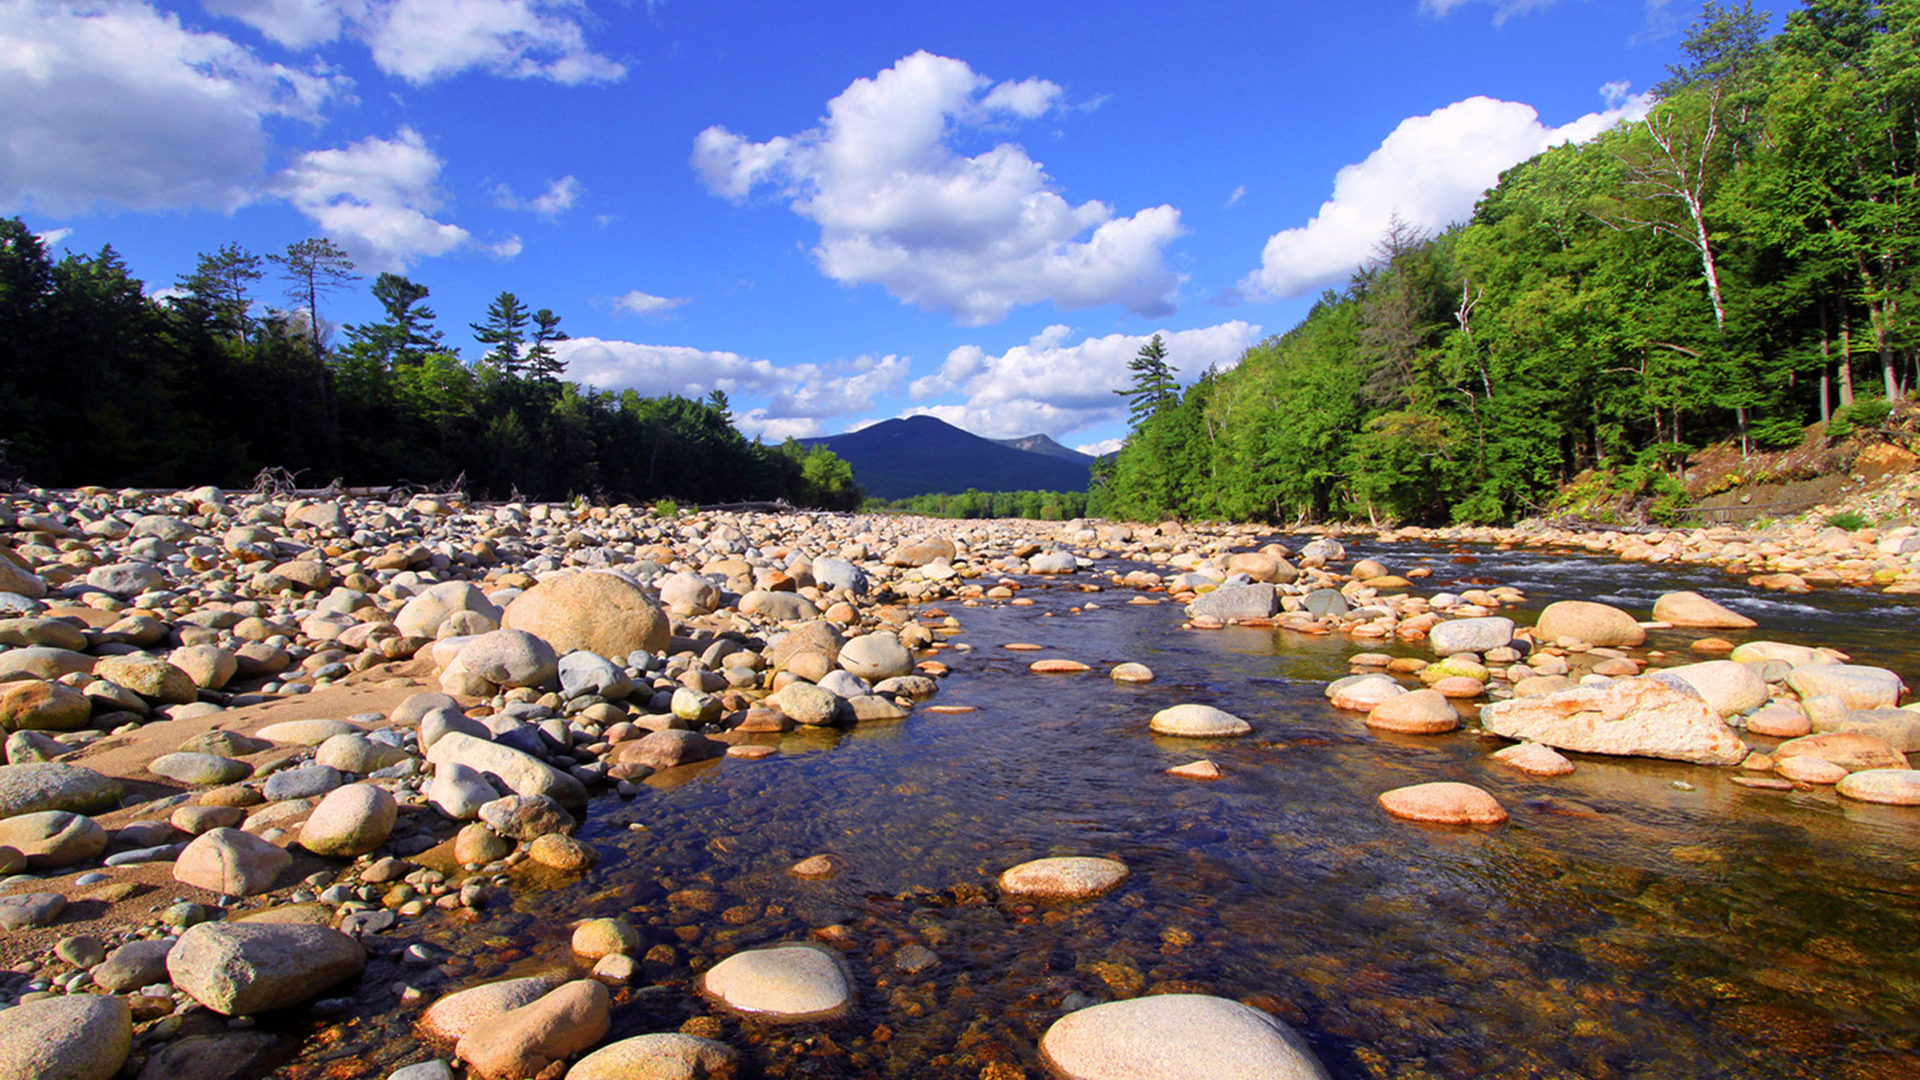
pixel 921 455
pixel 1044 444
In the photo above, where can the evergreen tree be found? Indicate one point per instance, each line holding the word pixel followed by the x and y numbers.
pixel 313 268
pixel 1153 386
pixel 505 330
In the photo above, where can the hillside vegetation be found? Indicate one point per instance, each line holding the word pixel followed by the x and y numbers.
pixel 1736 266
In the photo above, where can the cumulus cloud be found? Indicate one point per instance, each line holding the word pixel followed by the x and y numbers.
pixel 426 40
pixel 974 237
pixel 798 396
pixel 645 304
pixel 53 237
pixel 377 198
pixel 1430 170
pixel 1051 386
pixel 113 103
pixel 1660 17
pixel 559 197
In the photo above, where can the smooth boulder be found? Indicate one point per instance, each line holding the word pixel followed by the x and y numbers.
pixel 349 821
pixel 1198 722
pixel 1176 1037
pixel 75 1037
pixel 1444 802
pixel 241 968
pixel 598 611
pixel 1633 717
pixel 1584 620
pixel 1692 610
pixel 230 862
pixel 1068 877
pixel 786 983
pixel 521 1043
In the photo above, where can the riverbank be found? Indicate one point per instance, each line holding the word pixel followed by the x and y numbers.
pixel 652 750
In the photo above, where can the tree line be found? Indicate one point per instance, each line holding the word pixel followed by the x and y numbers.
pixel 1737 265
pixel 972 503
pixel 101 383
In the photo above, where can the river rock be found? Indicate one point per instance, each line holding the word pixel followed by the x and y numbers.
pixel 507 658
pixel 1470 635
pixel 1690 609
pixel 241 968
pixel 666 1055
pixel 1852 751
pixel 1584 620
pixel 1895 787
pixel 785 983
pixel 1858 686
pixel 596 938
pixel 36 705
pixel 1198 722
pixel 40 662
pixel 351 820
pixel 209 666
pixel 804 703
pixel 21 582
pixel 1445 802
pixel 1810 770
pixel 1780 720
pixel 1418 712
pixel 149 676
pixel 199 770
pixel 426 611
pixel 21 910
pixel 521 1043
pixel 599 611
pixel 459 792
pixel 920 552
pixel 1257 601
pixel 230 862
pixel 37 630
pixel 521 773
pixel 305 732
pixel 836 574
pixel 1131 672
pixel 1361 693
pixel 1634 717
pixel 1176 1037
pixel 53 838
pixel 55 785
pixel 876 656
pixel 453 1016
pixel 666 749
pixel 1534 759
pixel 526 817
pixel 1728 686
pixel 1072 877
pixel 782 607
pixel 127 578
pixel 305 782
pixel 583 673
pixel 75 1037
pixel 133 965
pixel 357 755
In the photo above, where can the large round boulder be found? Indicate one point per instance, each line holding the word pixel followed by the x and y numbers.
pixel 36 705
pixel 1584 620
pixel 1176 1037
pixel 1693 610
pixel 786 983
pixel 75 1037
pixel 240 968
pixel 351 820
pixel 230 862
pixel 595 610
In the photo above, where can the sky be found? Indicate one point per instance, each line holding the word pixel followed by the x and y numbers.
pixel 835 212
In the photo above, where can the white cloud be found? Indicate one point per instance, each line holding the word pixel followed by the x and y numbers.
pixel 975 236
pixel 114 103
pixel 1430 170
pixel 377 197
pixel 1502 9
pixel 646 304
pixel 1239 193
pixel 426 40
pixel 559 197
pixel 1050 386
pixel 53 237
pixel 798 396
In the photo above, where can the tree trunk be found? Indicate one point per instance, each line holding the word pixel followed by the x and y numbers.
pixel 1846 357
pixel 1826 359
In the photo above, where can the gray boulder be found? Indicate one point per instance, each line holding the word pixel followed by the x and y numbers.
pixel 1236 602
pixel 238 969
pixel 54 785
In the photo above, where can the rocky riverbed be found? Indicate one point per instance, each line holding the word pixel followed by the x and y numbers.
pixel 328 787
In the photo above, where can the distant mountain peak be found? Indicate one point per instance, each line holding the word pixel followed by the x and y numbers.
pixel 925 455
pixel 1042 443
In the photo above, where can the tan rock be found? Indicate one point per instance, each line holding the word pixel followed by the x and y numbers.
pixel 1419 712
pixel 523 1042
pixel 1636 717
pixel 452 1016
pixel 1535 759
pixel 1690 609
pixel 1584 620
pixel 598 611
pixel 1445 802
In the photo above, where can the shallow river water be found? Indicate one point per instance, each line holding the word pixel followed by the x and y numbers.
pixel 1634 919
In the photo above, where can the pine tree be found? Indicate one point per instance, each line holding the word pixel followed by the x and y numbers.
pixel 312 268
pixel 542 363
pixel 505 330
pixel 1153 386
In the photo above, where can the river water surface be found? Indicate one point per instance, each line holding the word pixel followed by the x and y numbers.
pixel 1635 919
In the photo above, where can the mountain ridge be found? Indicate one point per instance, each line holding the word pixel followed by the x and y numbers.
pixel 924 455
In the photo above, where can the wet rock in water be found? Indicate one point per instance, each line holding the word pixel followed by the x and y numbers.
pixel 452 1016
pixel 786 983
pixel 1852 751
pixel 351 820
pixel 1131 673
pixel 1535 759
pixel 1477 635
pixel 1445 802
pixel 241 968
pixel 599 611
pixel 76 1037
pixel 53 838
pixel 425 1070
pixel 1071 877
pixel 1418 712
pixel 19 911
pixel 1780 720
pixel 1196 770
pixel 1690 609
pixel 663 1056
pixel 1634 717
pixel 34 705
pixel 596 938
pixel 1728 686
pixel 1584 620
pixel 230 862
pixel 1894 787
pixel 1361 693
pixel 1807 769
pixel 477 845
pixel 526 817
pixel 133 965
pixel 807 704
pixel 199 770
pixel 1237 602
pixel 666 749
pixel 876 656
pixel 1198 722
pixel 523 773
pixel 228 1056
pixel 521 1043
pixel 818 866
pixel 559 852
pixel 1856 685
pixel 1176 1037
pixel 55 785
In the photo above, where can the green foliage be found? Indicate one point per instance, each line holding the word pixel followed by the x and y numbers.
pixel 1037 505
pixel 666 508
pixel 1850 520
pixel 1870 412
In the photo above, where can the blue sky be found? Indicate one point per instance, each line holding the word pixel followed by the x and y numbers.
pixel 837 212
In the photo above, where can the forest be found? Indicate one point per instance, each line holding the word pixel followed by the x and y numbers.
pixel 101 383
pixel 1738 265
pixel 1037 505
